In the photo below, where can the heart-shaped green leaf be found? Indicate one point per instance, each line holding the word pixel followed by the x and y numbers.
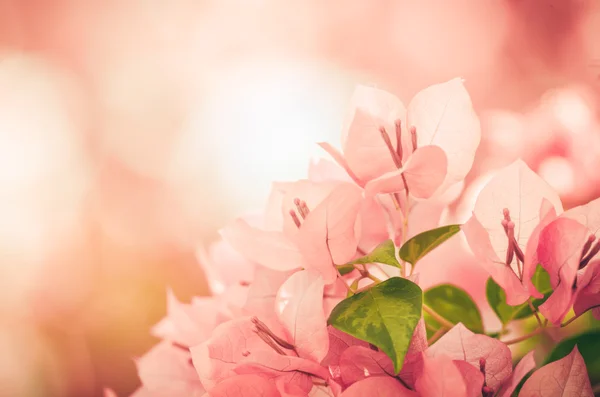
pixel 385 315
pixel 423 243
pixel 384 253
pixel 497 297
pixel 455 305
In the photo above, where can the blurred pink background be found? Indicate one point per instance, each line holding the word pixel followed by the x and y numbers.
pixel 130 131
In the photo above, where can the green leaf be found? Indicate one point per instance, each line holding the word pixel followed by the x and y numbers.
pixel 455 305
pixel 422 244
pixel 497 297
pixel 385 315
pixel 384 253
pixel 589 347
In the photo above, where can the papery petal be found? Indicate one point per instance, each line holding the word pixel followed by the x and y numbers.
pixel 479 241
pixel 461 344
pixel 328 235
pixel 588 215
pixel 245 386
pixel 300 307
pixel 521 191
pixel 389 182
pixel 358 362
pixel 524 366
pixel 312 193
pixel 559 252
pixel 338 342
pixel 378 386
pixel 439 376
pixel 235 348
pixel 364 149
pixel 341 161
pixel 187 324
pixel 565 377
pixel 268 248
pixel 443 116
pixel 425 171
pixel 262 294
pixel 167 370
pixel 588 289
pixel 547 215
pixel 373 223
pixel 472 376
pixel 323 170
pixel 224 266
pixel 412 361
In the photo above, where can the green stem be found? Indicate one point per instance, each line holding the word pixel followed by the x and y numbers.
pixel 438 334
pixel 535 312
pixel 443 322
pixel 524 337
pixel 375 279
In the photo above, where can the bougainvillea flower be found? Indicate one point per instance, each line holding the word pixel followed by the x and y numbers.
pixel 167 371
pixel 442 376
pixel 560 252
pixel 525 365
pixel 587 296
pixel 378 386
pixel 188 324
pixel 374 143
pixel 327 234
pixel 506 215
pixel 246 345
pixel 461 344
pixel 565 377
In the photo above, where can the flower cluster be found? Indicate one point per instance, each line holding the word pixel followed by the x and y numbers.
pixel 321 295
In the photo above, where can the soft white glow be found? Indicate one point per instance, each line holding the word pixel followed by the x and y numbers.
pixel 559 174
pixel 572 111
pixel 264 122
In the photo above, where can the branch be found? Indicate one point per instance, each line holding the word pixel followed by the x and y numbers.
pixel 437 317
pixel 524 337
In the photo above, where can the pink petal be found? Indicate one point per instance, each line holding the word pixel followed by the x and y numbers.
pixel 358 362
pixel 547 215
pixel 167 370
pixel 338 342
pixel 461 344
pixel 588 289
pixel 524 366
pixel 312 193
pixel 439 376
pixel 522 192
pixel 323 170
pixel 224 266
pixel 341 161
pixel 363 147
pixel 472 376
pixel 444 116
pixel 412 361
pixel 268 248
pixel 378 386
pixel 373 223
pixel 503 275
pixel 262 294
pixel 425 171
pixel 565 377
pixel 187 324
pixel 588 215
pixel 389 182
pixel 245 386
pixel 236 349
pixel 559 252
pixel 329 235
pixel 300 303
